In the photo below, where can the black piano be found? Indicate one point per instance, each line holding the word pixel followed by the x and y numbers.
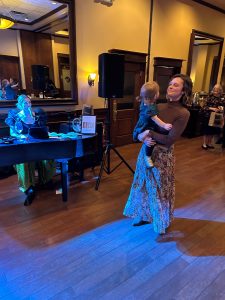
pixel 60 149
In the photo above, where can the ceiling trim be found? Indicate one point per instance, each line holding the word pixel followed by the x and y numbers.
pixel 60 36
pixel 50 24
pixel 203 44
pixel 49 14
pixel 204 3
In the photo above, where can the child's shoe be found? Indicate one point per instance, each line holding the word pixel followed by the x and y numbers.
pixel 149 162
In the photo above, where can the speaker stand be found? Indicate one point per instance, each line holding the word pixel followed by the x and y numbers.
pixel 105 164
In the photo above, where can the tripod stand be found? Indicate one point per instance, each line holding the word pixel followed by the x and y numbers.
pixel 105 164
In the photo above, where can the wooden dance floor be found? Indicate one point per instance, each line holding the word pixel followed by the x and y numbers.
pixel 86 249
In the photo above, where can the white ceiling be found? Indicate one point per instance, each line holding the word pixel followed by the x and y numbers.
pixel 27 13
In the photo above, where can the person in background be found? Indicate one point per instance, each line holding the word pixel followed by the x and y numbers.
pixel 148 118
pixel 152 194
pixel 8 91
pixel 20 121
pixel 14 85
pixel 214 103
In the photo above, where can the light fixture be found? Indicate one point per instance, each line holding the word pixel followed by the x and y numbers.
pixel 105 2
pixel 6 22
pixel 91 79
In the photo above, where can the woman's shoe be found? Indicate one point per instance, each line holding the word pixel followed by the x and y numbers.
pixel 138 222
pixel 30 196
pixel 205 147
pixel 210 147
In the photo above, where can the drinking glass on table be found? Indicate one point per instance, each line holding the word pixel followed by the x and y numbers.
pixel 76 124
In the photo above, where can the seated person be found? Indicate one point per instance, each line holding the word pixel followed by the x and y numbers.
pixel 20 121
pixel 8 92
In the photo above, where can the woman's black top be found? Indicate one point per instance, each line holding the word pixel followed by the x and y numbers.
pixel 13 117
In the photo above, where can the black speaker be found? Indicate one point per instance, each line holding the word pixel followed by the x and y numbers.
pixel 111 75
pixel 40 74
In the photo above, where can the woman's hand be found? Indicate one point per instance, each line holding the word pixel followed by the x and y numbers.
pixel 148 141
pixel 143 135
pixel 214 109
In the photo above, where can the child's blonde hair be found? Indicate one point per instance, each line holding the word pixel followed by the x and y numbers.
pixel 149 90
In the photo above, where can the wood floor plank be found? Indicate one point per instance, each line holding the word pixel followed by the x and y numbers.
pixel 86 249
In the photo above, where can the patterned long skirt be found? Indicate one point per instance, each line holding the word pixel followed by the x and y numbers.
pixel 152 193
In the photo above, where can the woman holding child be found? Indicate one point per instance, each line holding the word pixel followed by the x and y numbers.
pixel 152 194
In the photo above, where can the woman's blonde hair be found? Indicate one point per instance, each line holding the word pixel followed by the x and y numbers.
pixel 5 82
pixel 20 100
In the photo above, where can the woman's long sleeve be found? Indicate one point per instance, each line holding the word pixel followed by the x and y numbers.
pixel 179 124
pixel 11 118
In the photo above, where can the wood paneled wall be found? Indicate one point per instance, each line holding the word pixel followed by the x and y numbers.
pixel 37 50
pixel 9 67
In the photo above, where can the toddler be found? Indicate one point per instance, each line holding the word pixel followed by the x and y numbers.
pixel 148 118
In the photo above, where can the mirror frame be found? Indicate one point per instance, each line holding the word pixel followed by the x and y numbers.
pixel 73 67
pixel 219 39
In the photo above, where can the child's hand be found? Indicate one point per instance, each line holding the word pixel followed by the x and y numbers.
pixel 168 126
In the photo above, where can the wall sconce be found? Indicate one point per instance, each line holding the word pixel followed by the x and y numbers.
pixel 91 79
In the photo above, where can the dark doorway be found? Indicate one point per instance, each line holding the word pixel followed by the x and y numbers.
pixel 164 69
pixel 64 75
pixel 223 76
pixel 214 72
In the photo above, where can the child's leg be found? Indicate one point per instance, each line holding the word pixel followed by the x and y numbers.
pixel 148 150
pixel 148 153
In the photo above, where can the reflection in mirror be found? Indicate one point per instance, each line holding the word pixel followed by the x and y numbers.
pixel 223 76
pixel 36 50
pixel 204 59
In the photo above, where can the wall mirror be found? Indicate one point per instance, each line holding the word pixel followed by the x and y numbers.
pixel 40 37
pixel 223 76
pixel 203 60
